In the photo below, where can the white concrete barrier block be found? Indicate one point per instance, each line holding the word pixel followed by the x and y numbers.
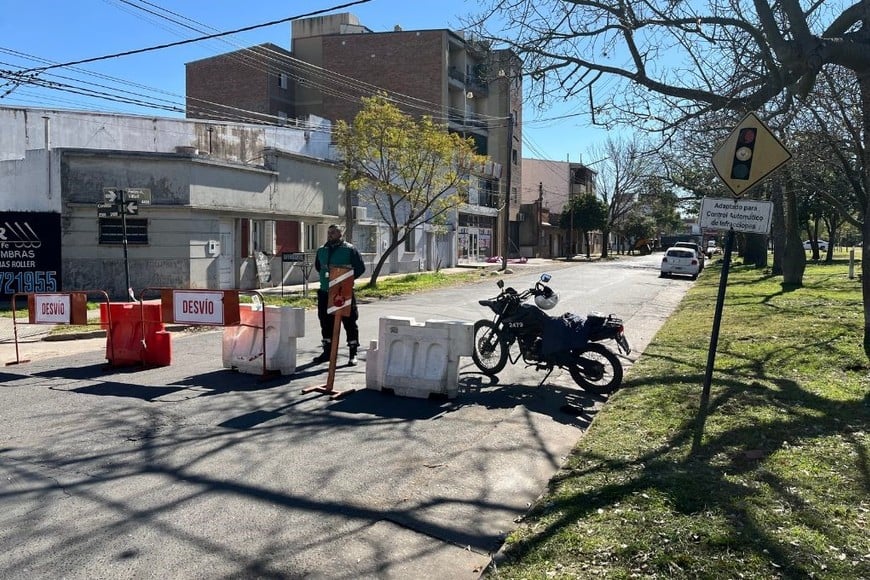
pixel 373 367
pixel 418 360
pixel 243 347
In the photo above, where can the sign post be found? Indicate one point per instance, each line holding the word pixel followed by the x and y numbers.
pixel 339 304
pixel 293 258
pixel 119 202
pixel 749 155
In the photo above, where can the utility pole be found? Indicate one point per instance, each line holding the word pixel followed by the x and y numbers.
pixel 506 242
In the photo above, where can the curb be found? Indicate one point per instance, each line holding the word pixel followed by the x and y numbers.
pixel 64 336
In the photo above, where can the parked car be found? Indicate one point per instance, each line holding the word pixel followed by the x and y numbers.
pixel 823 245
pixel 699 252
pixel 679 260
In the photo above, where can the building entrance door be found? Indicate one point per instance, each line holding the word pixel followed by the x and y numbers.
pixel 226 259
pixel 473 249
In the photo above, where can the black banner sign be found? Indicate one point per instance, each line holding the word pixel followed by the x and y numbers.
pixel 30 256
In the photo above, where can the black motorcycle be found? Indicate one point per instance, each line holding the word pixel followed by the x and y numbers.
pixel 568 341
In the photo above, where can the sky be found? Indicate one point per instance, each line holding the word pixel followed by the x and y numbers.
pixel 38 32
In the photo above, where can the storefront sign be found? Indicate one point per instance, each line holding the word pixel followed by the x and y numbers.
pixel 29 253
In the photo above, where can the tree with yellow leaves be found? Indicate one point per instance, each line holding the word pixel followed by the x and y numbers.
pixel 411 171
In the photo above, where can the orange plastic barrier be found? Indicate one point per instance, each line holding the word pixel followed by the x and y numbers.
pixel 136 334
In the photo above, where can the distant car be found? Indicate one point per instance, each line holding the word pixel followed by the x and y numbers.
pixel 699 252
pixel 683 261
pixel 823 245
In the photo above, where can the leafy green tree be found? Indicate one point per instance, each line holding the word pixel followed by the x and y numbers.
pixel 661 203
pixel 637 226
pixel 584 213
pixel 410 171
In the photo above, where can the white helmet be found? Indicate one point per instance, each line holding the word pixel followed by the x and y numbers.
pixel 547 300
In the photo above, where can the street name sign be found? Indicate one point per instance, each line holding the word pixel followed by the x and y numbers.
pixel 139 194
pixel 742 215
pixel 749 154
pixel 109 210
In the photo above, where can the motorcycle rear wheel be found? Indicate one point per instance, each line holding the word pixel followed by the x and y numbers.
pixel 596 369
pixel 490 352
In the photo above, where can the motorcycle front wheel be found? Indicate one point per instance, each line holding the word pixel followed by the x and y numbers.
pixel 596 369
pixel 490 352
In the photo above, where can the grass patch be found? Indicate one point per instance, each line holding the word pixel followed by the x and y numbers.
pixel 779 486
pixel 388 287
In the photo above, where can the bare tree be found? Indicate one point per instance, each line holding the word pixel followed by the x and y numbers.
pixel 622 177
pixel 657 63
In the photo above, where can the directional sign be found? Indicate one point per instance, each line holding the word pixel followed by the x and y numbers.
pixel 140 194
pixel 108 210
pixel 748 155
pixel 111 194
pixel 743 215
pixel 130 208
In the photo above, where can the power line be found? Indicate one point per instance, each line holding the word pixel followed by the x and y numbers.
pixel 198 39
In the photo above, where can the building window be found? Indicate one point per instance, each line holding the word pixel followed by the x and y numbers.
pixel 411 243
pixel 311 241
pixel 365 238
pixel 112 231
pixel 282 80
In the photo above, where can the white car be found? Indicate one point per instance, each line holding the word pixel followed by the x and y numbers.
pixel 698 251
pixel 823 245
pixel 682 261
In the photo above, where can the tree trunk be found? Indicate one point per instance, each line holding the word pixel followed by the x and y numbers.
pixel 755 250
pixel 794 259
pixel 373 280
pixel 778 228
pixel 605 246
pixel 864 83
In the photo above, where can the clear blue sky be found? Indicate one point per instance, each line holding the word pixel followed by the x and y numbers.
pixel 63 31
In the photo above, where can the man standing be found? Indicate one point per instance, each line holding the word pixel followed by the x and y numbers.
pixel 337 252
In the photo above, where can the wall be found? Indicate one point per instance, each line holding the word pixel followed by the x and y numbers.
pixel 24 129
pixel 411 63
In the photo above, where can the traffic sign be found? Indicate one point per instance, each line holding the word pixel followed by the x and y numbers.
pixel 140 194
pixel 130 208
pixel 742 215
pixel 108 210
pixel 749 154
pixel 111 194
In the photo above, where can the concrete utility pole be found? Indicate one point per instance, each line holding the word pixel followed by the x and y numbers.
pixel 506 238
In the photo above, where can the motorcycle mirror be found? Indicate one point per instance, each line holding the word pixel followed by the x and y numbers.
pixel 545 278
pixel 500 284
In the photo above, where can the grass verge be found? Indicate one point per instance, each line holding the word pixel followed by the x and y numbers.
pixel 388 287
pixel 775 483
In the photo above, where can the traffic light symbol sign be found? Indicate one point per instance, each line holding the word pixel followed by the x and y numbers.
pixel 743 153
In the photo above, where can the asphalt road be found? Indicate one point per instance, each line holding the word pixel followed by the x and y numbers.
pixel 194 471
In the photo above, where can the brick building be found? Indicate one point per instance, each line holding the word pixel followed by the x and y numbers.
pixel 334 61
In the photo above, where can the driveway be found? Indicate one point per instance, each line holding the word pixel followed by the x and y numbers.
pixel 193 471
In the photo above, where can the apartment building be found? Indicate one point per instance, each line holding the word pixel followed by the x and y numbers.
pixel 335 60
